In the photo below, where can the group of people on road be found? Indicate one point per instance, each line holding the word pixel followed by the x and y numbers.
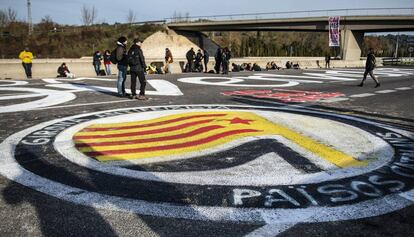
pixel 97 60
pixel 135 60
pixel 194 60
pixel 222 58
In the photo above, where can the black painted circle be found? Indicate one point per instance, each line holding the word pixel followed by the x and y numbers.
pixel 46 162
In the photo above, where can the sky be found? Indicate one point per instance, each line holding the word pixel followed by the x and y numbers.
pixel 111 11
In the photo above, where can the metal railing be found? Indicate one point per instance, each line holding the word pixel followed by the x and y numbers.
pixel 296 14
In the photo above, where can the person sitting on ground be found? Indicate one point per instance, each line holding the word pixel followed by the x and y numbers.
pixel 268 66
pixel 296 66
pixel 274 66
pixel 248 67
pixel 235 67
pixel 288 65
pixel 151 69
pixel 256 67
pixel 63 71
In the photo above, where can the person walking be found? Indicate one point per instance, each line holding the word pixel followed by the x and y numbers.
pixel 218 58
pixel 122 60
pixel 190 59
pixel 168 60
pixel 206 58
pixel 107 62
pixel 97 58
pixel 136 61
pixel 369 68
pixel 26 56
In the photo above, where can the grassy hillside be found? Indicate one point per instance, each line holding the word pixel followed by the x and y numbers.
pixel 53 41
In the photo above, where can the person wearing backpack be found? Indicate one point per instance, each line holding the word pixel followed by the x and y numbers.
pixel 122 61
pixel 136 62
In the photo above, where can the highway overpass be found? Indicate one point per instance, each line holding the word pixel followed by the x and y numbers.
pixel 353 27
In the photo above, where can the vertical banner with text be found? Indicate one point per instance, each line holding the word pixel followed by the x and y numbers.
pixel 334 35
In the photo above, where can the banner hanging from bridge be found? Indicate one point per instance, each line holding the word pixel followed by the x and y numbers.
pixel 334 32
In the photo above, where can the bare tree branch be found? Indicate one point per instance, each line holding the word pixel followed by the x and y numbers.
pixel 131 17
pixel 3 18
pixel 11 15
pixel 88 15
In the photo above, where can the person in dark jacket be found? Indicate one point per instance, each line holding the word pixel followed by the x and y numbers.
pixel 206 58
pixel 197 64
pixel 63 71
pixel 226 56
pixel 369 68
pixel 190 59
pixel 327 61
pixel 122 59
pixel 97 58
pixel 218 58
pixel 136 61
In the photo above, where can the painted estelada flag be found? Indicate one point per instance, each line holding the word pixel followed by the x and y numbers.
pixel 191 132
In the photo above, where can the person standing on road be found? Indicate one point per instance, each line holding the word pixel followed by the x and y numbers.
pixel 97 58
pixel 190 59
pixel 136 61
pixel 107 62
pixel 226 56
pixel 369 68
pixel 122 59
pixel 327 61
pixel 218 58
pixel 26 56
pixel 168 60
pixel 206 58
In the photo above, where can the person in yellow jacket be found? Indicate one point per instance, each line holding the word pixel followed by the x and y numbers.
pixel 26 56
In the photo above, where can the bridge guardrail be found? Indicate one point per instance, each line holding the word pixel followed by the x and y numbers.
pixel 295 14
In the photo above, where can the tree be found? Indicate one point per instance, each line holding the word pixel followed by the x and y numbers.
pixel 11 15
pixel 3 18
pixel 88 15
pixel 131 17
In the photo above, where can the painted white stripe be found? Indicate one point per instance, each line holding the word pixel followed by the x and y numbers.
pixel 332 100
pixel 16 97
pixel 403 88
pixel 385 91
pixel 53 97
pixel 14 83
pixel 161 87
pixel 270 230
pixel 361 95
pixel 86 104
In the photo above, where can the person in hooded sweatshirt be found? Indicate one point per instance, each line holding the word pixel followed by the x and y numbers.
pixel 122 59
pixel 136 61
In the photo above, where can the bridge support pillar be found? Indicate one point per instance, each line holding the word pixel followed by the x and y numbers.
pixel 351 44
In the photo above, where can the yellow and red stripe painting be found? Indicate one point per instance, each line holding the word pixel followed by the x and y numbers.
pixel 189 132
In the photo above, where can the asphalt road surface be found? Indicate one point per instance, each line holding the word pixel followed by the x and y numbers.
pixel 277 153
